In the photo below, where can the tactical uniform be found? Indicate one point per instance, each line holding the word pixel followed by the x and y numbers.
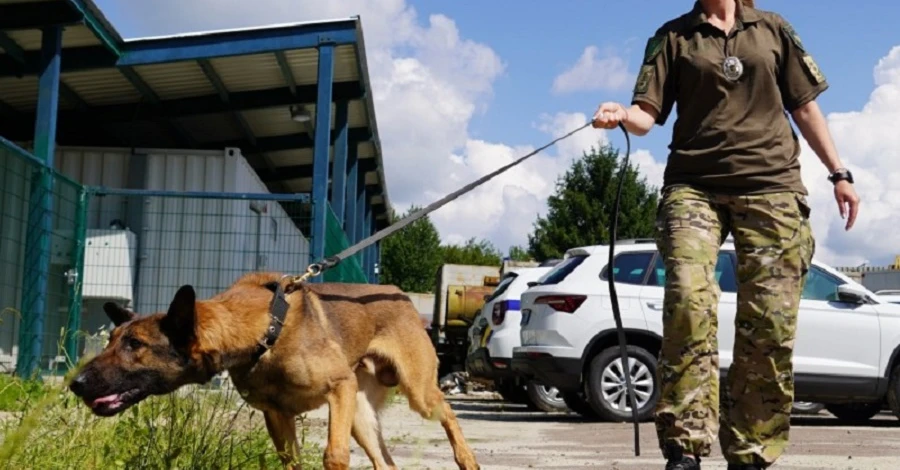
pixel 733 168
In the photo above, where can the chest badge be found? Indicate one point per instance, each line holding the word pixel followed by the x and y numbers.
pixel 733 68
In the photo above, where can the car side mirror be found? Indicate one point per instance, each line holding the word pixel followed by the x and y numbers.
pixel 531 284
pixel 852 294
pixel 486 297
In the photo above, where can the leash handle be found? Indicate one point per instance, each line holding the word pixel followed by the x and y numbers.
pixel 617 316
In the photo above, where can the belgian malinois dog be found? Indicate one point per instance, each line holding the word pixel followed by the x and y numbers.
pixel 344 345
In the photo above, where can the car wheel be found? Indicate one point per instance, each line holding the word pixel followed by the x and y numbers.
pixel 545 398
pixel 893 395
pixel 578 403
pixel 605 386
pixel 854 412
pixel 807 408
pixel 512 392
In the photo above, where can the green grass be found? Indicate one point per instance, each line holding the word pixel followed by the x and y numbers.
pixel 194 429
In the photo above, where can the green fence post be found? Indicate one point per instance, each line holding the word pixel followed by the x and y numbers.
pixel 76 276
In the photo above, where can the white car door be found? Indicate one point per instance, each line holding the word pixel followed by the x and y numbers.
pixel 835 338
pixel 653 293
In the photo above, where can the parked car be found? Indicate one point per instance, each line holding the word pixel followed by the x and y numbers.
pixel 889 295
pixel 845 354
pixel 495 333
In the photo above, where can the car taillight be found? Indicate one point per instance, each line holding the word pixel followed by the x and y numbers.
pixel 562 303
pixel 498 314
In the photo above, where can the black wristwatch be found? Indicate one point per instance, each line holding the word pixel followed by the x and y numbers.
pixel 841 174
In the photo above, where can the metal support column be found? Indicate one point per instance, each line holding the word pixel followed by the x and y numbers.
pixel 339 169
pixel 370 229
pixel 350 215
pixel 40 222
pixel 76 277
pixel 321 150
pixel 360 216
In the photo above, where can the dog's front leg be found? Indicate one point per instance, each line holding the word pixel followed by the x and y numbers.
pixel 283 431
pixel 341 410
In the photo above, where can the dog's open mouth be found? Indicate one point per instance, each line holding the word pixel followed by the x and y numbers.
pixel 109 405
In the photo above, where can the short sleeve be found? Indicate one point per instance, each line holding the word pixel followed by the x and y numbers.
pixel 654 84
pixel 799 78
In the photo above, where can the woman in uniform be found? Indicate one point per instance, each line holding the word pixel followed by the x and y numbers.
pixel 735 73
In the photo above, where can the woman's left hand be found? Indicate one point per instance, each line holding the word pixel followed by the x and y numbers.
pixel 848 202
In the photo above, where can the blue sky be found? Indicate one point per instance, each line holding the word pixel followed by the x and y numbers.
pixel 490 68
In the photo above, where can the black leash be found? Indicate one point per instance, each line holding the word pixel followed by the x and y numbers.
pixel 617 316
pixel 318 268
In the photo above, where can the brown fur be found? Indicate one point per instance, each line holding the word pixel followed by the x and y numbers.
pixel 344 345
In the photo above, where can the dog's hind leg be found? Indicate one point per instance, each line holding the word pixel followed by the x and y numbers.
pixel 283 431
pixel 366 424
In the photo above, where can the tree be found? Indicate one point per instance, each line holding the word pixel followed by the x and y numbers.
pixel 481 253
pixel 579 211
pixel 410 257
pixel 518 253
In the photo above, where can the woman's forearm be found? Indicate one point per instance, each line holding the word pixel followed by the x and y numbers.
pixel 814 128
pixel 640 119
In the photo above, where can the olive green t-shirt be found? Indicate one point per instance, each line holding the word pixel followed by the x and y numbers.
pixel 732 134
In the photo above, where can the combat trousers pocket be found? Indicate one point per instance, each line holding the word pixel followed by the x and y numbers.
pixel 807 239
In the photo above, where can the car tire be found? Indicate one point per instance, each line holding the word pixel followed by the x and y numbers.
pixel 893 395
pixel 512 391
pixel 545 398
pixel 577 402
pixel 605 384
pixel 807 408
pixel 854 412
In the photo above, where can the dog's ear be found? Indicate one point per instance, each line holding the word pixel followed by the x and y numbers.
pixel 117 314
pixel 181 315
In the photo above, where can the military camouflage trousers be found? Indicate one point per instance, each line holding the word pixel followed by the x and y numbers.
pixel 774 247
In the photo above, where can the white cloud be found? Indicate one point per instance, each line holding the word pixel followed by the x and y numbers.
pixel 869 145
pixel 429 82
pixel 591 73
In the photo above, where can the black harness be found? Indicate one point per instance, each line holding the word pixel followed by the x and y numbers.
pixel 278 309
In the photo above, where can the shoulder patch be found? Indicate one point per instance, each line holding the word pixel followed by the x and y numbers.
pixel 654 47
pixel 643 80
pixel 813 69
pixel 789 30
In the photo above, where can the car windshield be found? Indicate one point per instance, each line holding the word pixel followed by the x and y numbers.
pixel 561 270
pixel 501 288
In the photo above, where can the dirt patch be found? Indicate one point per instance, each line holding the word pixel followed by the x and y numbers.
pixel 506 436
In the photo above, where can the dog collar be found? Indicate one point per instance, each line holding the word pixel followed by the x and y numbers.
pixel 278 309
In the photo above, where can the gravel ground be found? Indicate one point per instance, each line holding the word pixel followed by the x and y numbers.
pixel 506 436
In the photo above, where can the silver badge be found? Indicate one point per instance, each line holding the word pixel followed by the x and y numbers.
pixel 733 68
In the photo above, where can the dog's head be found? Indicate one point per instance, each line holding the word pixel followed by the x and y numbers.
pixel 146 355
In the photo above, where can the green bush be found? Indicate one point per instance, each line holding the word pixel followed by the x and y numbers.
pixel 195 428
pixel 16 394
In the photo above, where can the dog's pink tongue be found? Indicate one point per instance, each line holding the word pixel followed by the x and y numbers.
pixel 107 399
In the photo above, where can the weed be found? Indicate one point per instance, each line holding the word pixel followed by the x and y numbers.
pixel 193 428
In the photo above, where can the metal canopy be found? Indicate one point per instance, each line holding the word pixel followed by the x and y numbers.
pixel 234 88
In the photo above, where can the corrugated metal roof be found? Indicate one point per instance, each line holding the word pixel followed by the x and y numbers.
pixel 185 88
pixel 73 36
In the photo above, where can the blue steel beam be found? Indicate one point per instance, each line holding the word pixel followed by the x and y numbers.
pixel 299 140
pixel 366 231
pixel 40 223
pixel 370 253
pixel 286 72
pixel 77 59
pixel 350 210
pixel 225 97
pixel 147 92
pixel 238 42
pixel 12 48
pixel 339 168
pixel 322 149
pixel 212 104
pixel 360 216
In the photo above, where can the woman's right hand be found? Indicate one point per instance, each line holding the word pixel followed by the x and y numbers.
pixel 609 115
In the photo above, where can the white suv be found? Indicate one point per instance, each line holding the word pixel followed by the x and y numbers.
pixel 493 335
pixel 845 355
